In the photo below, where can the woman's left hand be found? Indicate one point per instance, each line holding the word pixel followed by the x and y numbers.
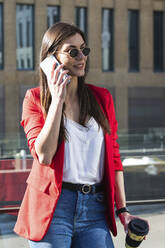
pixel 125 218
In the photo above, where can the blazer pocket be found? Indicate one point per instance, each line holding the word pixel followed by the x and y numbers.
pixel 41 184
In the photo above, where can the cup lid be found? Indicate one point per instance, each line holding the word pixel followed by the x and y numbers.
pixel 138 227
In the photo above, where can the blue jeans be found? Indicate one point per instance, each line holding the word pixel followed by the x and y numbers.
pixel 78 222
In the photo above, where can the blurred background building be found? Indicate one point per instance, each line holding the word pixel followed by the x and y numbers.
pixel 127 57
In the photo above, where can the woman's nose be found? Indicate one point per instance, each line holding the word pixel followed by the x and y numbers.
pixel 80 55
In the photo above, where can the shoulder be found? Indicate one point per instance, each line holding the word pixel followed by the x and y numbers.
pixel 32 98
pixel 100 92
pixel 33 92
pixel 33 95
pixel 97 89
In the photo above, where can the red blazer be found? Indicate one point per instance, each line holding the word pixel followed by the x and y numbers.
pixel 44 182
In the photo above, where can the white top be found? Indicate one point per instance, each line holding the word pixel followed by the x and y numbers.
pixel 84 153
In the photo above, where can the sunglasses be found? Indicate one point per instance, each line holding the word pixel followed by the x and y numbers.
pixel 75 52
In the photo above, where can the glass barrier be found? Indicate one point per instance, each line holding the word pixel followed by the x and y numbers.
pixel 142 156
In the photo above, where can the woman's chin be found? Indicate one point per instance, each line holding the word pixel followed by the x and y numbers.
pixel 77 73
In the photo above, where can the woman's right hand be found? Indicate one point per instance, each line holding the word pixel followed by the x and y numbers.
pixel 57 85
pixel 47 141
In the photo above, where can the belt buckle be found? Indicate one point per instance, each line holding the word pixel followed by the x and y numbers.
pixel 86 188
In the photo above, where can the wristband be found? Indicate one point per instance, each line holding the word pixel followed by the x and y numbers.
pixel 121 210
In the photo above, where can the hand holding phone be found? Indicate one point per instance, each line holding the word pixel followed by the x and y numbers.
pixel 47 65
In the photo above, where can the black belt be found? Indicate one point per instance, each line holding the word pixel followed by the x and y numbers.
pixel 84 188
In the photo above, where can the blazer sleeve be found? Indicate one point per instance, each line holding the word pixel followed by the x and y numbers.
pixel 114 135
pixel 32 119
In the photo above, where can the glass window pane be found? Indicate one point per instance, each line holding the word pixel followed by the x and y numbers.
pixel 25 36
pixel 2 114
pixel 145 114
pixel 133 40
pixel 81 19
pixel 1 36
pixel 158 41
pixel 53 15
pixel 107 40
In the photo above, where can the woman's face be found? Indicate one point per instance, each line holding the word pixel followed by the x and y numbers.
pixel 76 65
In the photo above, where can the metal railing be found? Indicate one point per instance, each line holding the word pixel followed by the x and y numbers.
pixel 140 202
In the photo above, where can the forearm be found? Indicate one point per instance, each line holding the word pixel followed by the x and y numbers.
pixel 47 141
pixel 120 197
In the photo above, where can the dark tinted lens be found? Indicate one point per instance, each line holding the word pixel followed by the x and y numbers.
pixel 73 52
pixel 86 51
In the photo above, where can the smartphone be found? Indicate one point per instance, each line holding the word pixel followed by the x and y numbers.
pixel 47 64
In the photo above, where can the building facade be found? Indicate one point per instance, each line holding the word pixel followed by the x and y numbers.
pixel 127 57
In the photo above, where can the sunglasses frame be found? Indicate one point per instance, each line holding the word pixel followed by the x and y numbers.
pixel 77 52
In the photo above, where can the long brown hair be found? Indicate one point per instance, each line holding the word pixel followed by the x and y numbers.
pixel 52 39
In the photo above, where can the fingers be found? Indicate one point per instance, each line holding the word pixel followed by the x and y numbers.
pixel 53 69
pixel 57 83
pixel 61 77
pixel 66 81
pixel 56 72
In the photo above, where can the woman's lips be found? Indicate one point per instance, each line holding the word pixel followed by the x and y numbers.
pixel 79 66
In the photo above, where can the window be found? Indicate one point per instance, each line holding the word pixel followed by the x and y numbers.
pixel 20 35
pixel 1 36
pixel 146 113
pixel 81 19
pixel 28 33
pixel 107 40
pixel 53 15
pixel 158 41
pixel 25 36
pixel 133 40
pixel 146 107
pixel 2 114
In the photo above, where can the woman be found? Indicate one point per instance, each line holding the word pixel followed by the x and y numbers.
pixel 77 174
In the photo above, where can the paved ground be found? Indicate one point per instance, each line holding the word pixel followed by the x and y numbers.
pixel 156 236
pixel 155 214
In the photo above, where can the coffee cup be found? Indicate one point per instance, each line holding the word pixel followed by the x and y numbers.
pixel 137 230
